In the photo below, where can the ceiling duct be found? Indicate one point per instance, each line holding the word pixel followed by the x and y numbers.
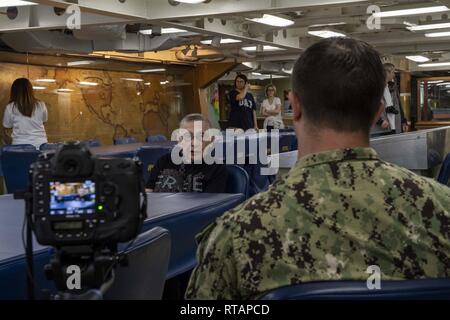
pixel 59 42
pixel 46 42
pixel 270 67
pixel 107 32
pixel 136 42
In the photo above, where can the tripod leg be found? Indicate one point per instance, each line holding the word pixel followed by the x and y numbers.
pixel 30 262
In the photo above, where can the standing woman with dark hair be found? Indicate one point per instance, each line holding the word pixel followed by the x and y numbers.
pixel 25 115
pixel 243 105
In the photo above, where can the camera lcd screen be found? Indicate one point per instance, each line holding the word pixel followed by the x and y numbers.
pixel 72 198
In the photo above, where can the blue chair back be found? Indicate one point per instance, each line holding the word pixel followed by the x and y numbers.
pixel 156 138
pixel 357 290
pixel 16 161
pixel 144 277
pixel 125 140
pixel 238 180
pixel 444 173
pixel 91 143
pixel 258 182
pixel 50 146
pixel 185 226
pixel 149 155
pixel 1 169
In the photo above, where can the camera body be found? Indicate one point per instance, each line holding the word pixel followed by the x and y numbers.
pixel 79 199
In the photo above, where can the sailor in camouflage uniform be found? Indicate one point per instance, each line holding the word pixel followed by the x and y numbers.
pixel 341 208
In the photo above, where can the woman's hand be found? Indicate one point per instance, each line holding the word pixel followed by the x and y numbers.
pixel 405 127
pixel 385 124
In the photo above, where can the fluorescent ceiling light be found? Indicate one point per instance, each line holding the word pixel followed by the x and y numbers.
pixel 148 83
pixel 164 82
pixel 86 83
pixel 417 58
pixel 222 41
pixel 437 64
pixel 190 1
pixel 46 80
pixel 152 70
pixel 435 82
pixel 325 33
pixel 163 31
pixel 328 24
pixel 437 34
pixel 442 83
pixel 39 88
pixel 133 79
pixel 266 48
pixel 271 20
pixel 64 90
pixel 410 12
pixel 288 71
pixel 268 76
pixel 15 3
pixel 429 26
pixel 79 63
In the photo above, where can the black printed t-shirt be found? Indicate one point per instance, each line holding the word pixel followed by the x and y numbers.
pixel 169 177
pixel 241 112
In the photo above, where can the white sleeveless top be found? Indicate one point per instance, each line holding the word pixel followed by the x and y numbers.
pixel 27 130
pixel 275 121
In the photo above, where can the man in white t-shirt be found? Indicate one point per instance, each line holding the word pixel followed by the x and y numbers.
pixel 25 115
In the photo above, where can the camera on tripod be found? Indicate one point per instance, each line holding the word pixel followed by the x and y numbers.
pixel 84 206
pixel 79 199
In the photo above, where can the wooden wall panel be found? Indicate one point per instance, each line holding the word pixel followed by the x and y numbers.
pixel 114 108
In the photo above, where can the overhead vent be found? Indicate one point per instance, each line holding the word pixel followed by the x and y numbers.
pixel 46 42
pixel 87 42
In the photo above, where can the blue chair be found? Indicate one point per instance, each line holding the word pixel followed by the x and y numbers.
pixel 238 180
pixel 149 155
pixel 444 173
pixel 16 161
pixel 144 277
pixel 156 138
pixel 125 140
pixel 50 146
pixel 258 182
pixel 357 290
pixel 185 226
pixel 288 142
pixel 91 143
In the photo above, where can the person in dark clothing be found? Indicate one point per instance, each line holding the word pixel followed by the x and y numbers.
pixel 166 176
pixel 243 106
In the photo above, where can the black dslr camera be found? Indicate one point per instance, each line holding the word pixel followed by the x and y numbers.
pixel 79 199
pixel 84 206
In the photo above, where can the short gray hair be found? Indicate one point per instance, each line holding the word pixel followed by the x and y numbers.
pixel 195 117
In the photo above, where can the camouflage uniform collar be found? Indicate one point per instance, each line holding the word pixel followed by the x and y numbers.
pixel 337 156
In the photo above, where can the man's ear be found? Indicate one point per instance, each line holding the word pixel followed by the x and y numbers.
pixel 379 112
pixel 297 108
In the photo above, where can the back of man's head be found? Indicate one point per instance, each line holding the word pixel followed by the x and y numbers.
pixel 195 117
pixel 339 83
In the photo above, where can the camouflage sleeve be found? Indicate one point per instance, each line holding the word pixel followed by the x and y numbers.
pixel 214 278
